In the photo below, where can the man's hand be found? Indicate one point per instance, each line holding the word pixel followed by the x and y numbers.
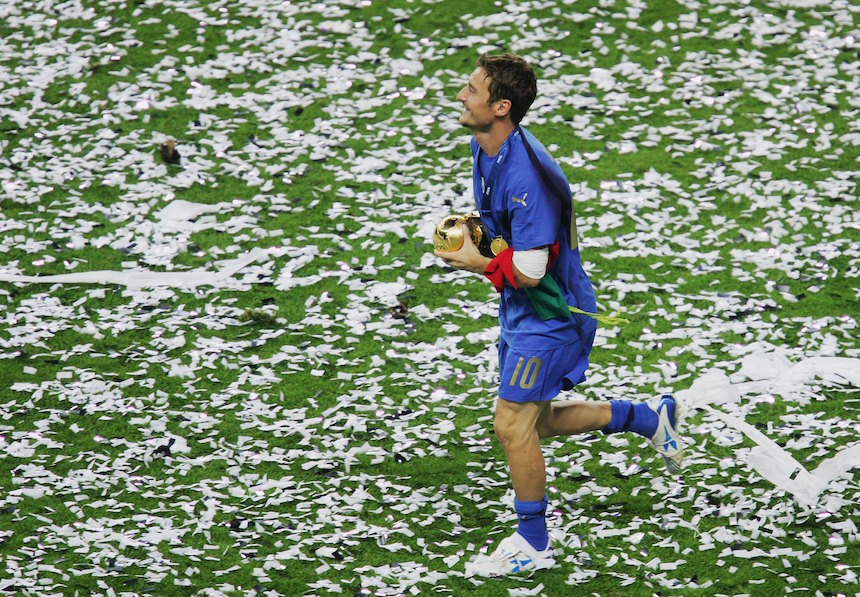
pixel 468 257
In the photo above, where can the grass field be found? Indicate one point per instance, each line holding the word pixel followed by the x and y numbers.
pixel 246 373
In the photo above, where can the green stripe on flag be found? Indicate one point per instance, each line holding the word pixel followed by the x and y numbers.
pixel 549 303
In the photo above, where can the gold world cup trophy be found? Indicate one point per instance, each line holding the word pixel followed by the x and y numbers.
pixel 448 235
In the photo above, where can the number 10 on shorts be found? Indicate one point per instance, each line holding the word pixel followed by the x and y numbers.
pixel 526 372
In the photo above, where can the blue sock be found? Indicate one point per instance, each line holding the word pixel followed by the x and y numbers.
pixel 636 417
pixel 532 526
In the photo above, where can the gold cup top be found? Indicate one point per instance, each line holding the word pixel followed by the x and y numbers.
pixel 448 235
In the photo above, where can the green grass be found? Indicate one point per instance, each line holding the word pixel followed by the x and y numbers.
pixel 331 404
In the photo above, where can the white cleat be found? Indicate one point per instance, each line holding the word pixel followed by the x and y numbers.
pixel 666 440
pixel 513 556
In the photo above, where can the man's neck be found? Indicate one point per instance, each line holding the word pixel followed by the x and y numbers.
pixel 491 141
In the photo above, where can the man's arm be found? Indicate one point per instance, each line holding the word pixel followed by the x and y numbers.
pixel 530 266
pixel 470 259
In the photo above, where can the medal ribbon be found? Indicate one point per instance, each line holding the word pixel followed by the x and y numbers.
pixel 487 185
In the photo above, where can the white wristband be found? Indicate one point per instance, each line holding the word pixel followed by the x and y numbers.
pixel 532 263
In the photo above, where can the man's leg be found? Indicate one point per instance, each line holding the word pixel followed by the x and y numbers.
pixel 659 426
pixel 515 428
pixel 569 418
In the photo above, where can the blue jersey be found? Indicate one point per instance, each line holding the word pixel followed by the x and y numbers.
pixel 527 201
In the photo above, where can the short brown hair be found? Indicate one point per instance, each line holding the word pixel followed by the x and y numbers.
pixel 511 78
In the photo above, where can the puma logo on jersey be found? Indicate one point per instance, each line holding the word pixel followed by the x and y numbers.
pixel 518 200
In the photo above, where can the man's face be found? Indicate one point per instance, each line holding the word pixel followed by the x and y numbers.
pixel 478 114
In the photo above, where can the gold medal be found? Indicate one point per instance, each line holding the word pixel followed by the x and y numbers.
pixel 498 245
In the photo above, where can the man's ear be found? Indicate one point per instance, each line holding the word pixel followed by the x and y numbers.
pixel 503 108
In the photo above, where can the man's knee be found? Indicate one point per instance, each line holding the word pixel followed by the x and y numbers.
pixel 515 422
pixel 503 427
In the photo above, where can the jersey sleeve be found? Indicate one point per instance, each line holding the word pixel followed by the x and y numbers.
pixel 534 213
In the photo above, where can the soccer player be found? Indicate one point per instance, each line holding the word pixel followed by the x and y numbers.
pixel 525 202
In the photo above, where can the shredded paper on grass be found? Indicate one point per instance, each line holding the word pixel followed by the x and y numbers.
pixel 233 365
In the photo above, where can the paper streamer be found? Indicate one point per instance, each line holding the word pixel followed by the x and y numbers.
pixel 147 279
pixel 775 373
pixel 768 458
pixel 779 467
